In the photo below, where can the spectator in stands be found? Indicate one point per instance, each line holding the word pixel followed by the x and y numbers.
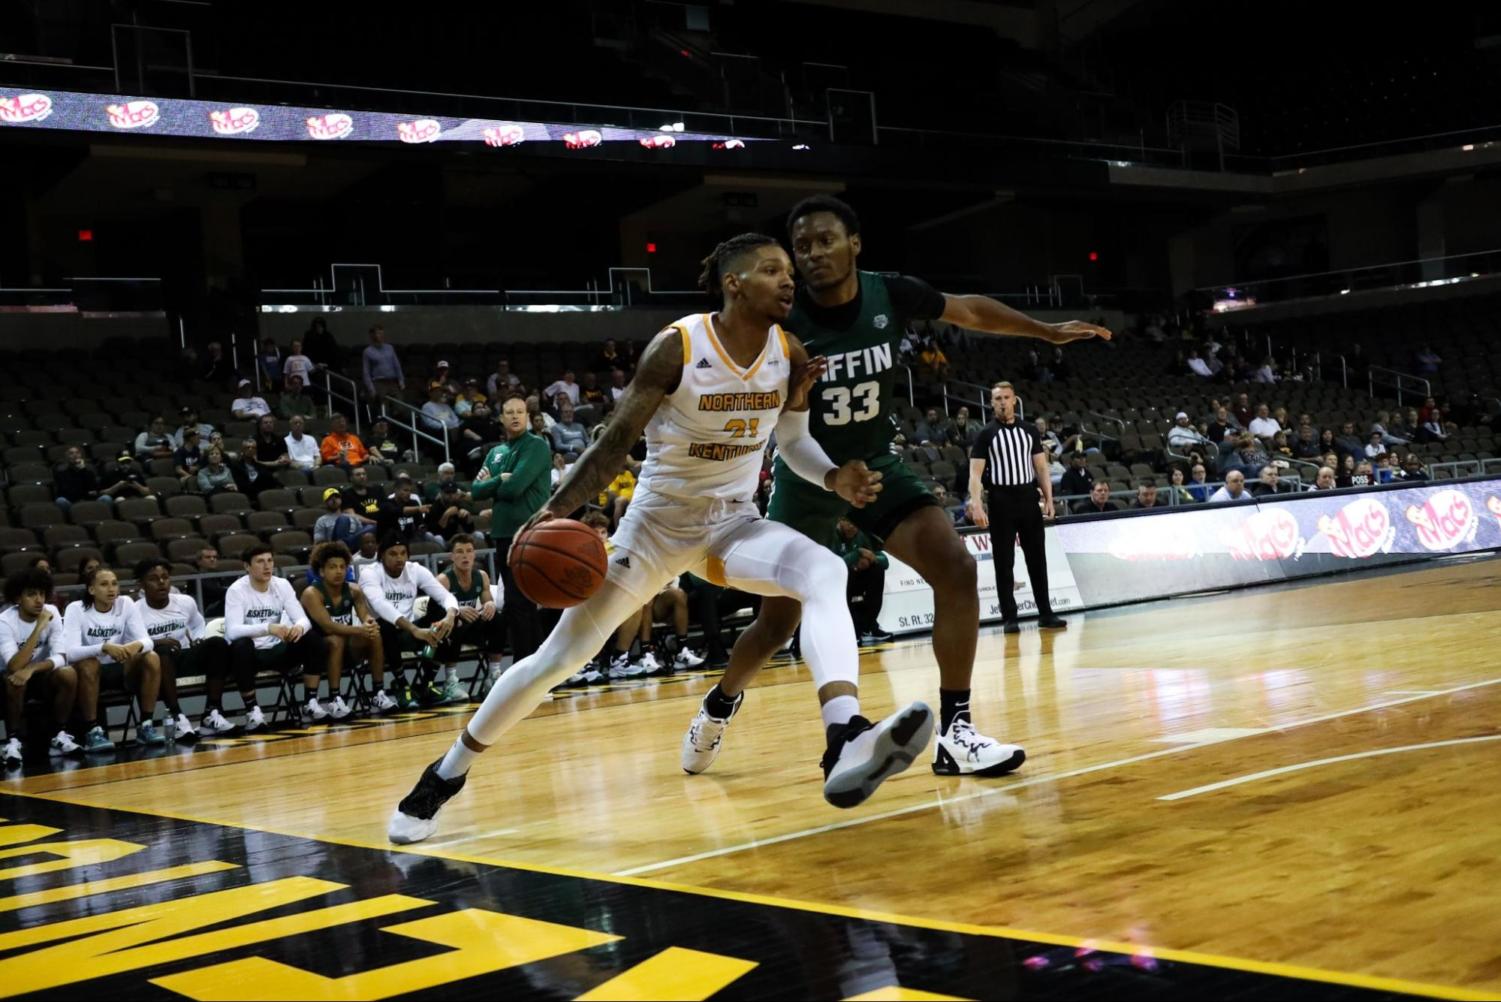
pixel 441 379
pixel 400 514
pixel 593 401
pixel 301 448
pixel 1248 456
pixel 215 368
pixel 188 458
pixel 321 346
pixel 1386 470
pixel 369 551
pixel 447 516
pixel 339 610
pixel 1432 430
pixel 1280 449
pixel 1363 476
pixel 1268 483
pixel 953 506
pixel 1412 468
pixel 381 367
pixel 214 477
pixel 1306 447
pixel 964 429
pixel 447 474
pixel 469 396
pixel 360 499
pixel 249 475
pixel 247 406
pixel 383 444
pixel 1427 360
pixel 76 480
pixel 932 360
pixel 1098 501
pixel 1045 434
pixel 867 565
pixel 1241 411
pixel 1347 442
pixel 104 629
pixel 502 381
pixel 129 478
pixel 270 446
pixel 1077 479
pixel 1183 436
pixel 293 402
pixel 559 469
pixel 341 448
pixel 1234 488
pixel 33 657
pixel 1146 495
pixel 269 359
pixel 154 442
pixel 268 630
pixel 569 436
pixel 1198 483
pixel 932 429
pixel 337 526
pixel 480 426
pixel 188 418
pixel 1221 428
pixel 617 385
pixel 1263 425
pixel 1375 447
pixel 1178 492
pixel 1324 480
pixel 1390 435
pixel 439 417
pixel 1198 366
pixel 207 562
pixel 608 358
pixel 566 386
pixel 299 365
pixel 1267 373
pixel 1062 371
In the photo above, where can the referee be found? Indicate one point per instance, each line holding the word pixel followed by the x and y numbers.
pixel 1014 465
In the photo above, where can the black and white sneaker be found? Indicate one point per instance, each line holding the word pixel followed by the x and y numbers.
pixel 964 751
pixel 862 755
pixel 416 817
pixel 705 734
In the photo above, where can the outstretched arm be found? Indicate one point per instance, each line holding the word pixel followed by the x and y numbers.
pixel 990 316
pixel 656 376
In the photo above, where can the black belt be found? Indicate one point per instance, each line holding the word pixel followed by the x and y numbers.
pixel 1014 488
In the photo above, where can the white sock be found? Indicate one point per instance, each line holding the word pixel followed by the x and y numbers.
pixel 839 710
pixel 457 761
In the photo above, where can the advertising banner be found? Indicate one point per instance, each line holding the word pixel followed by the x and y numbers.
pixel 160 116
pixel 908 604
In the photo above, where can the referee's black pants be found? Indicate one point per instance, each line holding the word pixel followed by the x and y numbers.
pixel 1015 515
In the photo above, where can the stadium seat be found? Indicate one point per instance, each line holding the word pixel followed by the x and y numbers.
pixel 171 528
pixel 217 525
pixel 141 511
pixel 115 531
pixel 63 535
pixel 130 554
pixel 233 547
pixel 263 523
pixel 29 494
pixel 293 542
pixel 185 550
pixel 18 539
pixel 186 506
pixel 230 503
pixel 278 499
pixel 40 516
pixel 90 513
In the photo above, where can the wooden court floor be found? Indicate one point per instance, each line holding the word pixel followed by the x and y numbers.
pixel 1297 783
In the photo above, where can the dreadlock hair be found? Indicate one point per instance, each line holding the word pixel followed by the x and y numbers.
pixel 727 254
pixel 824 203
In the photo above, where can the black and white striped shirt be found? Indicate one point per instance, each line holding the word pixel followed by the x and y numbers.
pixel 1008 450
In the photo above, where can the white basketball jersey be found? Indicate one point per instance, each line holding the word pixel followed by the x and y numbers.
pixel 708 437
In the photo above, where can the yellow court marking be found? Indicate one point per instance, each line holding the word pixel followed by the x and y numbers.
pixel 672 975
pixel 1275 969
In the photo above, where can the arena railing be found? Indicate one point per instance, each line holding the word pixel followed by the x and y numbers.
pixel 1418 273
pixel 411 424
pixel 352 398
pixel 1399 381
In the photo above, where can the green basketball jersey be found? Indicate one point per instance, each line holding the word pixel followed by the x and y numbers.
pixel 852 404
pixel 474 596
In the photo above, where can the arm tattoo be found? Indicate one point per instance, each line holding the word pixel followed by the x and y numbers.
pixel 656 376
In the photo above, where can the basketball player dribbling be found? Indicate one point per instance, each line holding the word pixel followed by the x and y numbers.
pixel 856 320
pixel 708 392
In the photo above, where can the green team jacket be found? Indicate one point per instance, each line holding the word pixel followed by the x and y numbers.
pixel 850 549
pixel 529 462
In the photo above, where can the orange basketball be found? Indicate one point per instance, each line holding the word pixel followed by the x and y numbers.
pixel 558 563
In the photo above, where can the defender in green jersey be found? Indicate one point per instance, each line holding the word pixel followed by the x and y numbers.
pixel 855 320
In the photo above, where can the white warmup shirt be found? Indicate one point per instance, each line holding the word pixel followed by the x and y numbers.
pixel 707 438
pixel 180 620
pixel 251 613
pixel 304 453
pixel 14 632
pixel 86 630
pixel 394 598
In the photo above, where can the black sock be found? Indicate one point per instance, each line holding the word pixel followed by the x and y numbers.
pixel 953 705
pixel 718 704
